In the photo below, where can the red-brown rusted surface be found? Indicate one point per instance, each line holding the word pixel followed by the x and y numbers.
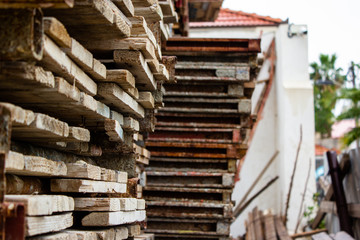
pixel 200 134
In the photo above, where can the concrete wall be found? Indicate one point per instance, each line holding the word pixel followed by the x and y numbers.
pixel 289 105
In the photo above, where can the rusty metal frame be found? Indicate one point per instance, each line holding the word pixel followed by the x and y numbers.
pixel 12 215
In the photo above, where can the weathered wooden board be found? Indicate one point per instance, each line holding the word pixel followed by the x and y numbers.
pixel 189 209
pixel 190 179
pixel 57 32
pixel 43 204
pixel 146 99
pixel 81 169
pixel 35 166
pixel 114 130
pixel 95 19
pixel 57 236
pixel 126 6
pixel 86 186
pixel 37 4
pixel 113 95
pixel 105 204
pixel 113 218
pixel 185 227
pixel 58 62
pixel 46 224
pixel 134 62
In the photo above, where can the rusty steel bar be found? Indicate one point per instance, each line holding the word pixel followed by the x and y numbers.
pixel 340 199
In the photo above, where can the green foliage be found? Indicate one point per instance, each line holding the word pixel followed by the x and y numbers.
pixel 327 79
pixel 353 112
pixel 310 211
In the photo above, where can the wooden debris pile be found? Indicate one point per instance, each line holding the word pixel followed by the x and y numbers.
pixel 265 226
pixel 200 134
pixel 81 80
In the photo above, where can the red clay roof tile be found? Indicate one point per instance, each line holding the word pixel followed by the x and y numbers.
pixel 231 18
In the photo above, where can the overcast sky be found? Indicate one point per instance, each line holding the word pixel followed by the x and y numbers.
pixel 333 25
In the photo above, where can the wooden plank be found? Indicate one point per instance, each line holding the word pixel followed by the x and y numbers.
pixel 98 71
pixel 163 74
pixel 121 233
pixel 57 32
pixel 270 232
pixel 131 125
pixel 23 40
pixel 28 125
pixel 14 161
pixel 281 230
pixel 113 218
pixel 168 9
pixel 114 131
pixel 45 224
pixel 80 55
pixel 37 89
pixel 140 29
pixel 135 63
pixel 39 166
pixel 134 230
pixel 330 207
pixel 43 204
pixel 108 175
pixel 83 234
pixel 81 169
pixel 122 77
pixel 37 4
pixel 140 204
pixel 96 19
pixel 23 185
pixel 56 61
pixel 86 186
pixel 105 204
pixel 151 14
pixel 257 224
pixel 146 99
pixel 126 6
pixel 114 95
pixel 58 236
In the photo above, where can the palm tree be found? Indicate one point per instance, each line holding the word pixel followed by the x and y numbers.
pixel 352 94
pixel 327 79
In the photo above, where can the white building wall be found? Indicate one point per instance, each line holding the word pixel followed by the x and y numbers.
pixel 294 97
pixel 289 105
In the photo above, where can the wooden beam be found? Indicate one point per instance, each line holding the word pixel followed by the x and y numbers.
pixel 56 61
pixel 86 186
pixel 114 95
pixel 43 204
pixel 37 4
pixel 135 63
pixel 113 218
pixel 21 35
pixel 45 224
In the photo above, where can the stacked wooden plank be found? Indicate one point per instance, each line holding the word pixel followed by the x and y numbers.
pixel 82 79
pixel 200 134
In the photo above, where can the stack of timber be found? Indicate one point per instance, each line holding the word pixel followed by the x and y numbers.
pixel 200 134
pixel 81 80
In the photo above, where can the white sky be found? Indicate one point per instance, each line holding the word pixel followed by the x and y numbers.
pixel 333 25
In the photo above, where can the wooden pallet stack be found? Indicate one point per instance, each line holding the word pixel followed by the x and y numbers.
pixel 81 79
pixel 200 134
